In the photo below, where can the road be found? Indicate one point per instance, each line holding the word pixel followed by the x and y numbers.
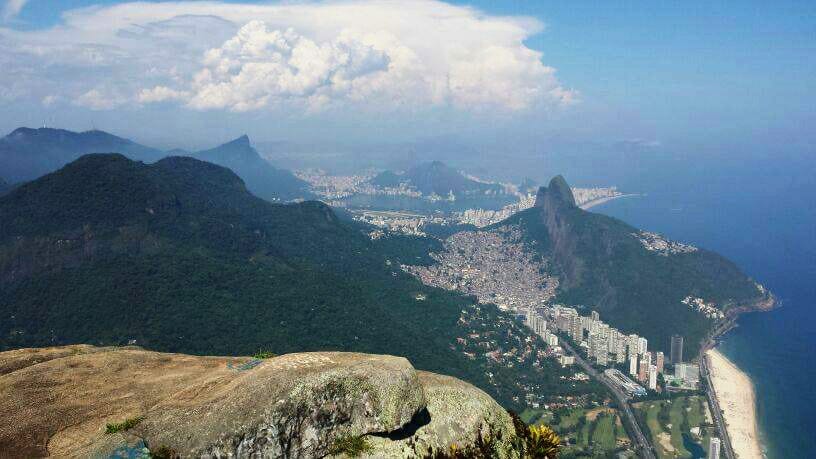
pixel 716 412
pixel 713 404
pixel 643 448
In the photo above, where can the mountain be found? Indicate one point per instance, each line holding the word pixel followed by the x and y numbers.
pixel 26 153
pixel 261 178
pixel 635 280
pixel 178 256
pixel 4 186
pixel 436 177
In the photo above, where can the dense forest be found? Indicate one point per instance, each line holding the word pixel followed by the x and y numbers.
pixel 179 256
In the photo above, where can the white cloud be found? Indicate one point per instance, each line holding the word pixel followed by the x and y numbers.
pixel 161 94
pixel 12 8
pixel 375 55
pixel 97 99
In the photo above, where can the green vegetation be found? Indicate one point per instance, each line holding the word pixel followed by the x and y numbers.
pixel 595 432
pixel 601 264
pixel 123 426
pixel 179 257
pixel 350 445
pixel 261 355
pixel 678 428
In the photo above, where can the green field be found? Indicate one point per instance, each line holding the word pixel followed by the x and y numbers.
pixel 587 433
pixel 678 428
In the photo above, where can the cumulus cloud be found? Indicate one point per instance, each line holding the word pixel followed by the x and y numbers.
pixel 12 8
pixel 310 57
pixel 161 94
pixel 97 99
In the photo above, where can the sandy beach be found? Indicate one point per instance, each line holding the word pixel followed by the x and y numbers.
pixel 735 394
pixel 599 201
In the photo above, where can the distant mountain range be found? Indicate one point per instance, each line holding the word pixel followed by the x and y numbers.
pixel 437 178
pixel 4 186
pixel 605 264
pixel 26 154
pixel 179 256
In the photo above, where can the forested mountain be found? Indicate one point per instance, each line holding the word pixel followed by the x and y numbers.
pixel 179 256
pixel 261 178
pixel 436 177
pixel 26 153
pixel 636 280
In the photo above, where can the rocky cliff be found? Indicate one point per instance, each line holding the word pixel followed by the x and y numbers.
pixel 85 401
pixel 637 280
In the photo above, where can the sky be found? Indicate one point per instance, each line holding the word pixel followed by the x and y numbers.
pixel 704 75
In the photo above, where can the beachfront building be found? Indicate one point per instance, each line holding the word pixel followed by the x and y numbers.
pixel 714 445
pixel 676 349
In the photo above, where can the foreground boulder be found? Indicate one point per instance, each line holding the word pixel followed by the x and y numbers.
pixel 85 401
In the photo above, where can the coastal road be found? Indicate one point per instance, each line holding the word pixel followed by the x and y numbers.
pixel 716 412
pixel 643 448
pixel 714 404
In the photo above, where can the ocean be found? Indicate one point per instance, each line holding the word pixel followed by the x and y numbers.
pixel 760 213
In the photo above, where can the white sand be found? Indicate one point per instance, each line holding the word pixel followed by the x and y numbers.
pixel 735 394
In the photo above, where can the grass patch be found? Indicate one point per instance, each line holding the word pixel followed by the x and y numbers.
pixel 350 445
pixel 261 355
pixel 124 425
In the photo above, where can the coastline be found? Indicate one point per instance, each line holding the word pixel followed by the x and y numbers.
pixel 598 202
pixel 736 396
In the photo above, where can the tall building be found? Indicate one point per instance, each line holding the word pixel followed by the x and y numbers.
pixel 642 346
pixel 643 371
pixel 652 377
pixel 676 349
pixel 595 316
pixel 633 364
pixel 659 362
pixel 714 445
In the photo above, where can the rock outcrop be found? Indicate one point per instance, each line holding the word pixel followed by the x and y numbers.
pixel 59 402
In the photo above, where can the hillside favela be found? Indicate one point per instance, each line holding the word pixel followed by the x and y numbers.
pixel 407 229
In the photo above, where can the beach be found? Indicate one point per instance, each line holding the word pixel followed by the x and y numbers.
pixel 735 395
pixel 597 202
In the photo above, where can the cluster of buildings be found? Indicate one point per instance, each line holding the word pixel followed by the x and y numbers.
pixel 586 195
pixel 333 187
pixel 654 242
pixel 397 222
pixel 708 309
pixel 606 346
pixel 484 217
pixel 494 266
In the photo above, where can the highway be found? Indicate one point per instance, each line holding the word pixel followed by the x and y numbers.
pixel 716 412
pixel 713 404
pixel 643 447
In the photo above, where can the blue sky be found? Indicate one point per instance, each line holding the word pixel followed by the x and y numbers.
pixel 680 72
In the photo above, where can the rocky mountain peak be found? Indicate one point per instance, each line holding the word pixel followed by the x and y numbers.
pixel 558 192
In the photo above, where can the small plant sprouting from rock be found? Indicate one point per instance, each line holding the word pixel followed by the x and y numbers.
pixel 350 445
pixel 535 442
pixel 542 442
pixel 124 425
pixel 263 354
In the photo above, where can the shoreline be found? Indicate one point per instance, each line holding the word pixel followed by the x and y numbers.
pixel 736 396
pixel 597 202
